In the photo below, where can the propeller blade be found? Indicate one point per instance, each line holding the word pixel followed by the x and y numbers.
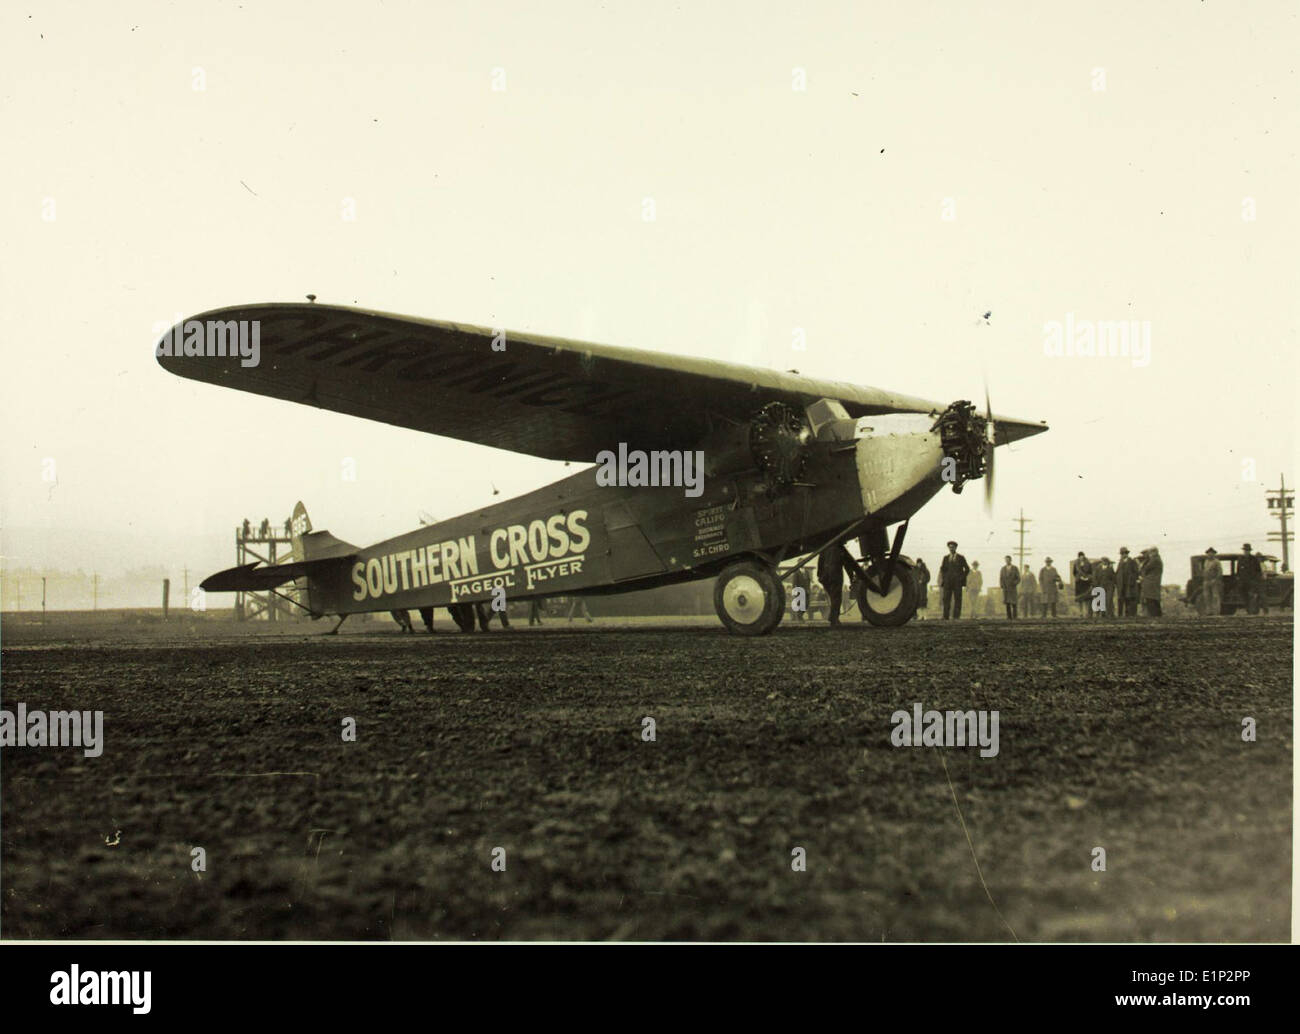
pixel 991 429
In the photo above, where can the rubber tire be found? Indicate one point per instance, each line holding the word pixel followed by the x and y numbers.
pixel 765 581
pixel 905 609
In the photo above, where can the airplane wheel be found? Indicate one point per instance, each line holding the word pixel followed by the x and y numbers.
pixel 895 607
pixel 749 598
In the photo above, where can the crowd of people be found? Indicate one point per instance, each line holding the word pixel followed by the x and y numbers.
pixel 1100 589
pixel 1097 588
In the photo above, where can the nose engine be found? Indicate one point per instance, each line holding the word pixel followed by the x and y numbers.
pixel 964 435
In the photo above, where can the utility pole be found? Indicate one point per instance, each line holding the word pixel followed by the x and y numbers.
pixel 1021 552
pixel 95 591
pixel 1283 507
pixel 42 599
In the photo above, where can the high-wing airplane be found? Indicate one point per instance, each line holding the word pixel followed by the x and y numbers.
pixel 703 469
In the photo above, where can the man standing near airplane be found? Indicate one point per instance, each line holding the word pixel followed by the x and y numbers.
pixel 953 570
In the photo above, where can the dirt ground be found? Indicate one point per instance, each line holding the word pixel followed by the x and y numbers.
pixel 1124 736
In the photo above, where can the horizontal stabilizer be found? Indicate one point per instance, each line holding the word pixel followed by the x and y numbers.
pixel 257 577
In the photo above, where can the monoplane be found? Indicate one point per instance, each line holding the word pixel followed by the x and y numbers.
pixel 701 468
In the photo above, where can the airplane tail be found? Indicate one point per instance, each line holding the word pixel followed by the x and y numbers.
pixel 299 525
pixel 310 553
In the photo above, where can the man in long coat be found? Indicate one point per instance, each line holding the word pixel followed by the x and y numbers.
pixel 974 585
pixel 1211 584
pixel 1081 575
pixel 1049 584
pixel 1008 580
pixel 1028 592
pixel 922 587
pixel 1127 579
pixel 1153 568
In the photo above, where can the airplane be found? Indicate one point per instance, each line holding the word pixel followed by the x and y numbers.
pixel 703 469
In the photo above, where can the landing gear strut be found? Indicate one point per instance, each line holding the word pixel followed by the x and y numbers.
pixel 886 591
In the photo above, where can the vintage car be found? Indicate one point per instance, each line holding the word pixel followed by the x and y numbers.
pixel 1277 592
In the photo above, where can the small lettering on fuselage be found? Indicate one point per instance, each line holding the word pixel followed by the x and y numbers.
pixel 542 550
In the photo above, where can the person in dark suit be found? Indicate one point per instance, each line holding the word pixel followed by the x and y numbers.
pixel 953 570
pixel 830 572
pixel 1103 576
pixel 535 611
pixel 1250 575
pixel 426 615
pixel 403 619
pixel 1126 584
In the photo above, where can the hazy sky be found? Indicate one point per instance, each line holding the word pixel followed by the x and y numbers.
pixel 944 160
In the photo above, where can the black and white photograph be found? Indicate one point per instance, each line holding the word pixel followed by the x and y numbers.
pixel 676 474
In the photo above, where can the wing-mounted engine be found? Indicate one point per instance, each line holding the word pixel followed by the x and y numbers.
pixel 778 440
pixel 774 443
pixel 966 442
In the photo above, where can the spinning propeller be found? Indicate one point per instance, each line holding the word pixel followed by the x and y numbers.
pixel 991 431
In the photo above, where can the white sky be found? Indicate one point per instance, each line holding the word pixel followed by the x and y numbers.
pixel 775 209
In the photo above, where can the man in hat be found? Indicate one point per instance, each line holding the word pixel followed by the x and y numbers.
pixel 1126 584
pixel 1153 568
pixel 1081 575
pixel 1009 581
pixel 1049 584
pixel 1250 575
pixel 974 584
pixel 1211 584
pixel 953 570
pixel 1103 577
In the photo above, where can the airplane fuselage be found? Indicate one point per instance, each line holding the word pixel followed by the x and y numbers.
pixel 577 536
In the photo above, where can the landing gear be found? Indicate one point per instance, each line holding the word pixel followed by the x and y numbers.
pixel 897 603
pixel 749 598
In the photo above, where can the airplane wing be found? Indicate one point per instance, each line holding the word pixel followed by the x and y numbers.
pixel 543 396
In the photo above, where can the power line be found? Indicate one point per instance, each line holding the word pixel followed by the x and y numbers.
pixel 1021 551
